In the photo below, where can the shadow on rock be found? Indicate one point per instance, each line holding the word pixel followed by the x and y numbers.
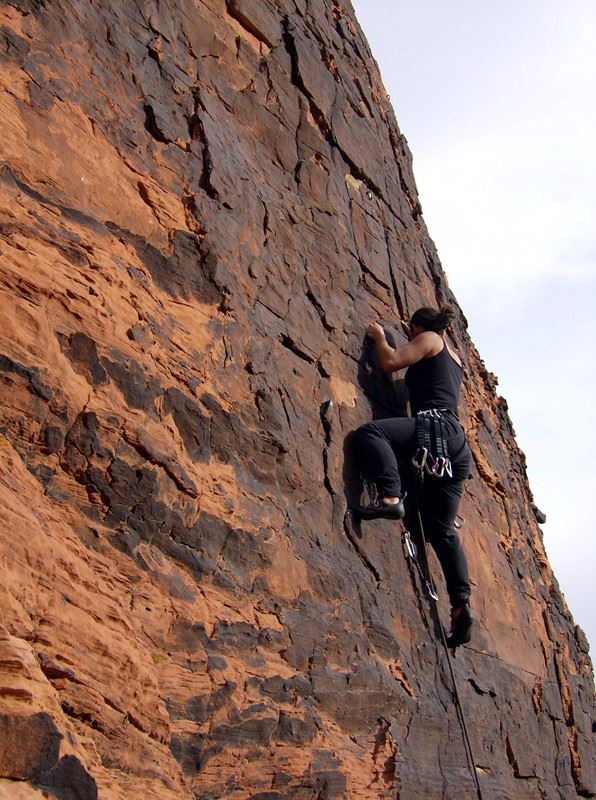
pixel 387 397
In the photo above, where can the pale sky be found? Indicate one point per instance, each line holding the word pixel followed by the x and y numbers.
pixel 497 101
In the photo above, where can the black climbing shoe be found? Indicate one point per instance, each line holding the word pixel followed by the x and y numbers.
pixel 461 625
pixel 380 510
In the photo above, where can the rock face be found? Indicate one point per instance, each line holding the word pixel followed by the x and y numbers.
pixel 203 203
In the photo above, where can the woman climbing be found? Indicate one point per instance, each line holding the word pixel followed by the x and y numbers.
pixel 434 377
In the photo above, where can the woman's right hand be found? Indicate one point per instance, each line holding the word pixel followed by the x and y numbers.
pixel 375 331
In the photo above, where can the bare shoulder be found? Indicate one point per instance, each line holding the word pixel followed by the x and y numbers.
pixel 431 342
pixel 453 353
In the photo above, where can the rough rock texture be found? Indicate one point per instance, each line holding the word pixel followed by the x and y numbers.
pixel 202 204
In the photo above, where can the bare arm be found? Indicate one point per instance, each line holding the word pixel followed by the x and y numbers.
pixel 394 358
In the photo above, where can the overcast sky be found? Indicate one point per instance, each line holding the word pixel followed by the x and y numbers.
pixel 497 101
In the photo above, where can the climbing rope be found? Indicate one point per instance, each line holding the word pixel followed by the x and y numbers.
pixel 431 591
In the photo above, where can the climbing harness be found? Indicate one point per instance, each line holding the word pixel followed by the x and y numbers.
pixel 428 583
pixel 431 456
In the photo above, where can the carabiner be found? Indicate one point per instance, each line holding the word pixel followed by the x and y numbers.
pixel 420 458
pixel 410 546
pixel 431 470
pixel 440 467
pixel 432 594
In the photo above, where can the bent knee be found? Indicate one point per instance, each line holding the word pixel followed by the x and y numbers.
pixel 370 430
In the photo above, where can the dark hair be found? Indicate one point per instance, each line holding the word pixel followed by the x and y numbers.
pixel 432 320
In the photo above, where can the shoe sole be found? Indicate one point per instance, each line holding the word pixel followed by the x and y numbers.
pixel 381 514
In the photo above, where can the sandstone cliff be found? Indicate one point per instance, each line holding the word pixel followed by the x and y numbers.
pixel 203 202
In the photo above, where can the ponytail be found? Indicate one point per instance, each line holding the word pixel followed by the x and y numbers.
pixel 432 320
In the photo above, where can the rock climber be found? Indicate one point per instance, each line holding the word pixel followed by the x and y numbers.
pixel 433 378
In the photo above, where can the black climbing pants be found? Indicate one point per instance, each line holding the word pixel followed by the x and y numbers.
pixel 378 447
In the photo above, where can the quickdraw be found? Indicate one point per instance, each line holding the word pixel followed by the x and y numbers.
pixel 412 554
pixel 432 455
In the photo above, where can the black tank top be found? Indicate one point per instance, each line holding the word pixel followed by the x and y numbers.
pixel 435 382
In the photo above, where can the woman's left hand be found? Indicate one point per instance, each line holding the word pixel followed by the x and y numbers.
pixel 375 331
